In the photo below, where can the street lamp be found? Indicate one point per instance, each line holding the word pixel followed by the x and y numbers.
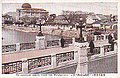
pixel 42 22
pixel 80 25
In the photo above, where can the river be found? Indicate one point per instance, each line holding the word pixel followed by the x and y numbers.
pixel 13 36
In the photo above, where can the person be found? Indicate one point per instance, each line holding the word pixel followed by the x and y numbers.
pixel 112 45
pixel 110 38
pixel 91 45
pixel 62 42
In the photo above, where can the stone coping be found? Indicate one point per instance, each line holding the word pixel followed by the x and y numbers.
pixel 17 56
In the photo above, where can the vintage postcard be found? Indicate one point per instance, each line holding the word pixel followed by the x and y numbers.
pixel 59 39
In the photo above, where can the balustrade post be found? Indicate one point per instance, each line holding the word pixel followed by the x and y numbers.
pixel 24 66
pixel 59 42
pixel 115 47
pixel 82 65
pixel 76 56
pixel 104 37
pixel 95 37
pixel 102 52
pixel 85 38
pixel 40 42
pixel 17 47
pixel 36 44
pixel 73 40
pixel 112 35
pixel 53 61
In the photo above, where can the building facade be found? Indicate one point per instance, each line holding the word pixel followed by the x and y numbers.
pixel 27 13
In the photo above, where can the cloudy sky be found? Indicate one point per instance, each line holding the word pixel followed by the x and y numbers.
pixel 96 7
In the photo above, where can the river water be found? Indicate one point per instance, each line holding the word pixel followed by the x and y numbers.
pixel 13 36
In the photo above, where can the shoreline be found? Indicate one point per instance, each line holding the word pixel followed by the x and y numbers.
pixel 45 30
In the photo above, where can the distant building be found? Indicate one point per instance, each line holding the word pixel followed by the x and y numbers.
pixel 73 12
pixel 12 14
pixel 60 20
pixel 91 18
pixel 27 13
pixel 101 17
pixel 6 18
pixel 75 16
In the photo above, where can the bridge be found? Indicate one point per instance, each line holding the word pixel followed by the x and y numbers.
pixel 44 56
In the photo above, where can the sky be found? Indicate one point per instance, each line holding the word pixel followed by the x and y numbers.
pixel 56 8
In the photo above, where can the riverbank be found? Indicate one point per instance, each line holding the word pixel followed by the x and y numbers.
pixel 46 30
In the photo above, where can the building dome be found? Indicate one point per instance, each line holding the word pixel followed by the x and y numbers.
pixel 26 5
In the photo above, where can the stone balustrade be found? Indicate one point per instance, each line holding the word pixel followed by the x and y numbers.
pixel 34 45
pixel 18 47
pixel 77 56
pixel 101 37
pixel 7 48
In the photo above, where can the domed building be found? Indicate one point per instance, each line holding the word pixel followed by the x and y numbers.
pixel 26 5
pixel 27 13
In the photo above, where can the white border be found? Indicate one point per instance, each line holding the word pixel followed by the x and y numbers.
pixel 45 1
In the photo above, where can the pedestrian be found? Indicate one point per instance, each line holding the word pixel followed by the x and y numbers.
pixel 91 45
pixel 62 42
pixel 110 38
pixel 112 45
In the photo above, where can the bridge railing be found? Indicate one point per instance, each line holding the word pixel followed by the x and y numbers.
pixel 38 62
pixel 62 57
pixel 51 61
pixel 30 45
pixel 13 67
pixel 53 43
pixel 96 50
pixel 29 65
pixel 8 48
pixel 101 37
pixel 17 47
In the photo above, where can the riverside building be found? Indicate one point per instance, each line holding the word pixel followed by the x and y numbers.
pixel 28 13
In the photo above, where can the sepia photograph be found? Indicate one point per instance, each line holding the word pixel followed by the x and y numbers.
pixel 60 38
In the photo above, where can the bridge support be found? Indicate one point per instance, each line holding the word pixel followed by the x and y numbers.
pixel 59 42
pixel 24 66
pixel 82 63
pixel 53 61
pixel 115 47
pixel 17 47
pixel 40 42
pixel 102 51
pixel 73 41
pixel 95 37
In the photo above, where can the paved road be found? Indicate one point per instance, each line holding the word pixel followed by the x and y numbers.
pixel 106 65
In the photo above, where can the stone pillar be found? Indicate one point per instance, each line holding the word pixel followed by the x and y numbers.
pixel 24 66
pixel 76 56
pixel 36 44
pixel 112 35
pixel 85 38
pixel 73 40
pixel 59 42
pixel 17 47
pixel 104 37
pixel 102 50
pixel 115 47
pixel 53 61
pixel 82 64
pixel 95 37
pixel 40 42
